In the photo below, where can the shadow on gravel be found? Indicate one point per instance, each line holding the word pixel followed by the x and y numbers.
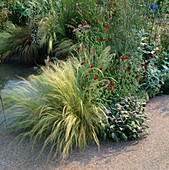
pixel 24 159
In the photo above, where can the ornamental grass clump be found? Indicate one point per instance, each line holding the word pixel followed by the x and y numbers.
pixel 52 106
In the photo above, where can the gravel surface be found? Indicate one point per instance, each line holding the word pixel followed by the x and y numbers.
pixel 151 152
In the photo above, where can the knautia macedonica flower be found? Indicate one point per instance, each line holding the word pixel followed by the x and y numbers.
pixel 113 84
pixel 95 78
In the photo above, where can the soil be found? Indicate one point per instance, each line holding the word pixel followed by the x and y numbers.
pixel 151 152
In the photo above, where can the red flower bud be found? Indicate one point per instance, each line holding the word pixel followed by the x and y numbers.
pixel 78 49
pixel 90 72
pixel 86 75
pixel 71 44
pixel 106 26
pixel 101 68
pixel 128 70
pixel 95 78
pixel 111 89
pixel 147 76
pixel 113 84
pixel 143 64
pixel 116 68
pixel 122 58
pixel 108 85
pixel 82 63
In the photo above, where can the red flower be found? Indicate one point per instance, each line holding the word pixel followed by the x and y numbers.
pixel 144 69
pixel 113 84
pixel 94 51
pixel 143 64
pixel 147 76
pixel 150 58
pixel 91 65
pixel 128 70
pixel 100 40
pixel 115 63
pixel 108 81
pixel 96 2
pixel 101 68
pixel 136 62
pixel 111 24
pixel 49 61
pixel 104 39
pixel 111 89
pixel 141 79
pixel 126 57
pixel 106 30
pixel 95 78
pixel 151 64
pixel 90 72
pixel 84 24
pixel 82 63
pixel 116 68
pixel 86 75
pixel 122 58
pixel 78 49
pixel 106 26
pixel 141 74
pixel 108 85
pixel 131 82
pixel 71 44
pixel 138 72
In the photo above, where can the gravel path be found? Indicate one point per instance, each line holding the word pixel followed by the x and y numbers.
pixel 149 153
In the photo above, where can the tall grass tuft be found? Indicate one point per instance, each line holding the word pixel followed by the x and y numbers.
pixel 23 42
pixel 51 106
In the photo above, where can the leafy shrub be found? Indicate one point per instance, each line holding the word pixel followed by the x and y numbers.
pixel 18 14
pixel 165 86
pixel 127 120
pixel 4 12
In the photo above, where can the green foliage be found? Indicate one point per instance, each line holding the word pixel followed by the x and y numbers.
pixel 127 120
pixel 165 86
pixel 18 14
pixel 156 63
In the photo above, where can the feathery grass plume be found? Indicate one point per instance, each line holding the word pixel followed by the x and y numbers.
pixel 22 41
pixel 51 106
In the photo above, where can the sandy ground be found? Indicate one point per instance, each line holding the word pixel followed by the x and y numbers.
pixel 149 153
